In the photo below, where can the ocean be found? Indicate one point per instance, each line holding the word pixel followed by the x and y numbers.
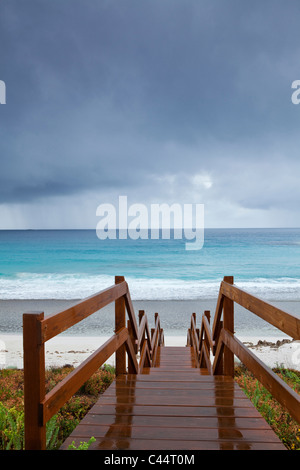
pixel 49 269
pixel 68 264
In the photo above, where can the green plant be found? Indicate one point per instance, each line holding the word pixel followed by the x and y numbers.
pixel 52 431
pixel 276 416
pixel 108 368
pixel 11 428
pixel 60 426
pixel 82 446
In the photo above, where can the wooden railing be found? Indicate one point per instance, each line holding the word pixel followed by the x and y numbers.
pixel 157 338
pixel 126 344
pixel 221 345
pixel 201 341
pixel 148 345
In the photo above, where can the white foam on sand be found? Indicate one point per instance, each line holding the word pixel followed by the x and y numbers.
pixel 73 350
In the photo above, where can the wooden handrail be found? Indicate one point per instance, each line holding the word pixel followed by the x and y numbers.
pixel 201 342
pixel 144 342
pixel 225 345
pixel 156 338
pixel 144 328
pixel 282 320
pixel 145 358
pixel 205 358
pixel 59 322
pixel 218 314
pixel 207 330
pixel 162 337
pixel 131 314
pixel 284 394
pixel 58 396
pixel 37 329
pixel 133 364
pixel 194 338
pixel 129 342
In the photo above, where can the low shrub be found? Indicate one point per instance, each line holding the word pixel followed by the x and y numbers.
pixel 60 426
pixel 287 429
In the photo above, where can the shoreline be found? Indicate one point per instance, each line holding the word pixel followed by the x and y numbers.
pixel 83 339
pixel 74 350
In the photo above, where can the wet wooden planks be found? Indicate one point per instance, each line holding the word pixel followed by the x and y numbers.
pixel 175 406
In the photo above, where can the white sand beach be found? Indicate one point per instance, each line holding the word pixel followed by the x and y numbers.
pixel 59 351
pixel 75 349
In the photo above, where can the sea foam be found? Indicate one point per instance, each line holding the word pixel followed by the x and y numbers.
pixel 78 286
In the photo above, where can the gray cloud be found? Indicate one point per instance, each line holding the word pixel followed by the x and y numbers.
pixel 115 97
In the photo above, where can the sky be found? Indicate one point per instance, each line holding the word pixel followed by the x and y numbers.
pixel 164 101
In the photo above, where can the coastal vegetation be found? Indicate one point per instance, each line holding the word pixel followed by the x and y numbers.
pixel 286 428
pixel 63 423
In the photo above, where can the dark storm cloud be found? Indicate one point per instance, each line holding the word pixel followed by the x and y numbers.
pixel 105 94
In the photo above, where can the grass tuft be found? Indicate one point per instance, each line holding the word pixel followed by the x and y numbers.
pixel 286 428
pixel 60 426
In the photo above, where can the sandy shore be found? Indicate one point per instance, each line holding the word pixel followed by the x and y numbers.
pixel 58 351
pixel 75 349
pixel 88 335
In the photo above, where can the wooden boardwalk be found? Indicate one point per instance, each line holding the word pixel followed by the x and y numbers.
pixel 175 406
pixel 163 398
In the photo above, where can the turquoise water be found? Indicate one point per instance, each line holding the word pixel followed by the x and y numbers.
pixel 69 264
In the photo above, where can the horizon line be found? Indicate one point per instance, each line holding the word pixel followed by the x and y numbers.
pixel 155 228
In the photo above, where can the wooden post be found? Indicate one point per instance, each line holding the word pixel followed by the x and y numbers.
pixel 192 338
pixel 141 314
pixel 34 381
pixel 206 340
pixel 207 314
pixel 120 322
pixel 131 369
pixel 219 368
pixel 158 330
pixel 228 323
